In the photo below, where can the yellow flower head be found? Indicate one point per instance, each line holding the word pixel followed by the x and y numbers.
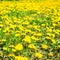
pixel 20 58
pixel 3 39
pixel 11 55
pixel 34 38
pixel 32 46
pixel 11 46
pixel 58 46
pixel 5 48
pixel 39 34
pixel 44 46
pixel 50 54
pixel 27 39
pixel 19 47
pixel 17 34
pixel 38 55
pixel 25 58
pixel 53 41
pixel 48 37
pixel 13 50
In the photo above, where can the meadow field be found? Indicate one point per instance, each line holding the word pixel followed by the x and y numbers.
pixel 29 29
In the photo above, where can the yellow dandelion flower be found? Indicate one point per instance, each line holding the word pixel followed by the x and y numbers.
pixel 44 46
pixel 58 46
pixel 19 47
pixel 5 48
pixel 3 39
pixel 43 25
pixel 32 46
pixel 50 54
pixel 13 50
pixel 11 46
pixel 21 27
pixel 11 55
pixel 25 58
pixel 48 37
pixel 38 55
pixel 53 41
pixel 26 22
pixel 39 34
pixel 27 39
pixel 34 38
pixel 17 34
pixel 20 58
pixel 12 26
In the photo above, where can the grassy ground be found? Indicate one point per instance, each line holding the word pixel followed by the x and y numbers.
pixel 30 30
